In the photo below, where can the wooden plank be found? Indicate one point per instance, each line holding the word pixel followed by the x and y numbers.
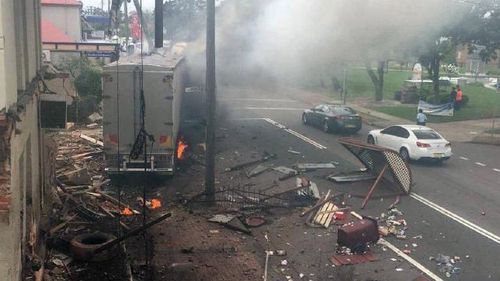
pixel 330 216
pixel 320 214
pixel 324 214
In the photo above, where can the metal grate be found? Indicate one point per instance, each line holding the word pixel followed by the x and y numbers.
pixel 374 158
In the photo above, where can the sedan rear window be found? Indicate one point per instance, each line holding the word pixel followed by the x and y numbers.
pixel 340 110
pixel 426 135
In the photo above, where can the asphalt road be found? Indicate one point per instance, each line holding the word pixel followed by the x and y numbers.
pixel 455 207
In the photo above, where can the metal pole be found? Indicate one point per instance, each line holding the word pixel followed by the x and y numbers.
pixel 344 90
pixel 211 101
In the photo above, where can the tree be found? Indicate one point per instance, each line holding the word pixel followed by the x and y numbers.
pixel 184 19
pixel 86 77
pixel 434 54
pixel 377 78
pixel 480 27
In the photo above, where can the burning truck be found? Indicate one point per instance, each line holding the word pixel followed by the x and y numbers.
pixel 142 100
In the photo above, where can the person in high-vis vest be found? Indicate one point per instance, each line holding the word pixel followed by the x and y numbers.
pixel 459 98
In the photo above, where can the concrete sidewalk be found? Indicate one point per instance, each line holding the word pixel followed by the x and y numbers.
pixel 459 131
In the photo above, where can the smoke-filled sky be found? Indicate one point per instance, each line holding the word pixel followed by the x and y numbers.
pixel 288 37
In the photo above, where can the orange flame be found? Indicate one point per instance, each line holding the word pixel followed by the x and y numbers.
pixel 155 203
pixel 181 148
pixel 127 212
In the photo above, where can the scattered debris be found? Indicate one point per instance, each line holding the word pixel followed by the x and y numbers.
pixel 353 177
pixel 92 140
pixel 255 221
pixel 447 265
pixel 393 223
pixel 314 166
pixel 355 235
pixel 288 172
pixel 347 258
pixel 265 158
pixel 258 170
pixel 230 221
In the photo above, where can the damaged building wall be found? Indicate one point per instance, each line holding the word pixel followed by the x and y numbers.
pixel 21 196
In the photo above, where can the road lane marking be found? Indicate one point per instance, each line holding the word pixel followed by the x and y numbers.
pixel 271 108
pixel 294 133
pixel 457 218
pixel 409 259
pixel 257 99
pixel 464 158
pixel 496 170
pixel 480 164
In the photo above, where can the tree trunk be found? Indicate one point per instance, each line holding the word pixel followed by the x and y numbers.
pixel 377 78
pixel 435 74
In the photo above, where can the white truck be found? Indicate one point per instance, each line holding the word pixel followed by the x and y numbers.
pixel 132 88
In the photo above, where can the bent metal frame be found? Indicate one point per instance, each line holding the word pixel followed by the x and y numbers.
pixel 382 162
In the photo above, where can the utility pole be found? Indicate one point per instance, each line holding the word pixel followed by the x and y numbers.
pixel 344 85
pixel 127 27
pixel 210 92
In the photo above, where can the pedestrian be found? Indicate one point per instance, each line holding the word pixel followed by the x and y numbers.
pixel 453 95
pixel 421 118
pixel 459 98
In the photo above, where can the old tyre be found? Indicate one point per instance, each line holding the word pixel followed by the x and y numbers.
pixel 403 152
pixel 83 246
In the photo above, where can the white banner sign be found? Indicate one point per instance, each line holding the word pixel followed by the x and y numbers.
pixel 444 109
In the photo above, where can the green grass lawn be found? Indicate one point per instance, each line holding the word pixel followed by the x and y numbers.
pixel 483 103
pixel 360 85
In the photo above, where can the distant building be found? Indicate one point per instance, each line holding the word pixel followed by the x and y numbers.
pixel 472 62
pixel 61 28
pixel 65 16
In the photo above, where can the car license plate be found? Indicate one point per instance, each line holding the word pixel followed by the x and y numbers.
pixel 350 126
pixel 438 154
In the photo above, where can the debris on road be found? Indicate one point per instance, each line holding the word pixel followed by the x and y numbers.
pixel 294 152
pixel 393 223
pixel 288 172
pixel 265 158
pixel 352 177
pixel 258 170
pixel 387 165
pixel 447 264
pixel 357 234
pixel 230 221
pixel 348 258
pixel 314 166
pixel 255 221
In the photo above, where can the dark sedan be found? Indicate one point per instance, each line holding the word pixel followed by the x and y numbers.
pixel 336 118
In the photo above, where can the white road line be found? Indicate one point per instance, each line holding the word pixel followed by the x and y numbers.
pixel 271 108
pixel 496 170
pixel 457 218
pixel 464 158
pixel 292 132
pixel 257 99
pixel 409 259
pixel 480 164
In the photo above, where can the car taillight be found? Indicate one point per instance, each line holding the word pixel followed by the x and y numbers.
pixel 423 144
